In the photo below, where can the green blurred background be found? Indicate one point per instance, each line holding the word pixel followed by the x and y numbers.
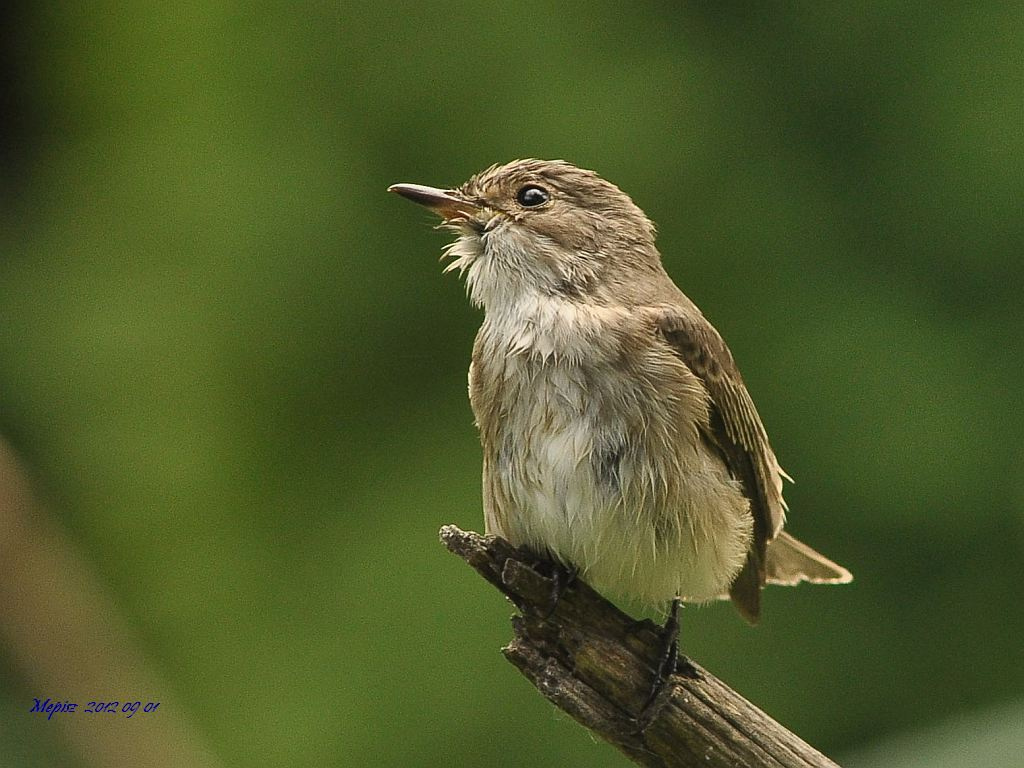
pixel 234 371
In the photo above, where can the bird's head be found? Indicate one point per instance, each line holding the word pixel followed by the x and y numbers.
pixel 542 227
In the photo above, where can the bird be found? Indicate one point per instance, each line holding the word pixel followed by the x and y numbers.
pixel 618 437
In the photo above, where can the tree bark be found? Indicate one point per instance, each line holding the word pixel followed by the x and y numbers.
pixel 597 664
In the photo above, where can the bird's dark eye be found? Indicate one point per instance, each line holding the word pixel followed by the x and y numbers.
pixel 531 196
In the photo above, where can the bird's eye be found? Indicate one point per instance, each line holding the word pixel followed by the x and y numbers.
pixel 531 196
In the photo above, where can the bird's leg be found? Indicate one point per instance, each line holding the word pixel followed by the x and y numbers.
pixel 562 577
pixel 670 653
pixel 669 657
pixel 550 567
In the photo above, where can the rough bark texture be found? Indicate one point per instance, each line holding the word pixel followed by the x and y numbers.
pixel 597 664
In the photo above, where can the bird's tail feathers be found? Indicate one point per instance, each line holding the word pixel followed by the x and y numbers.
pixel 790 561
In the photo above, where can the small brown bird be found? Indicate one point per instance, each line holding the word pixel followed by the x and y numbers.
pixel 618 436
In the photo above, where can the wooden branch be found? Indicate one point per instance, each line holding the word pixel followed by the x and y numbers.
pixel 596 663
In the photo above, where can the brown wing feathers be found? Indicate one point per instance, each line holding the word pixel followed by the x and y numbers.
pixel 736 429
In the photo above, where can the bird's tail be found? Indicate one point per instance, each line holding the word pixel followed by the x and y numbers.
pixel 787 562
pixel 790 561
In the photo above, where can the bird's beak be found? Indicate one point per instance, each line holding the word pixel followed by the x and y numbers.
pixel 445 203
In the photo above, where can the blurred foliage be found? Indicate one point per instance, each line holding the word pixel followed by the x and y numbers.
pixel 233 363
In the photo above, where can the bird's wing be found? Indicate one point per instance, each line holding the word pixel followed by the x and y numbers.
pixel 736 430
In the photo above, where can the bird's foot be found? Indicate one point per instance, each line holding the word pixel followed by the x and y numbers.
pixel 562 577
pixel 669 663
pixel 669 655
